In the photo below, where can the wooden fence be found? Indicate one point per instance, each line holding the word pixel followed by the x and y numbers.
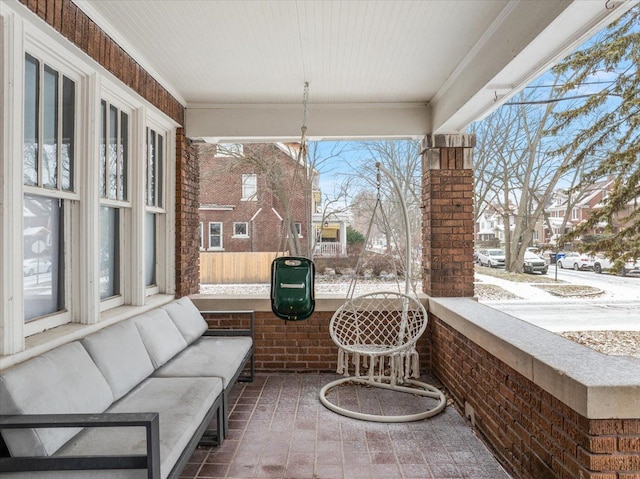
pixel 242 268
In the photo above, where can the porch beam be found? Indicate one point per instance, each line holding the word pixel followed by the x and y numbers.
pixel 266 122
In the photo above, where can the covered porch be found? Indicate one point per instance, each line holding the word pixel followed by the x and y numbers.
pixel 234 72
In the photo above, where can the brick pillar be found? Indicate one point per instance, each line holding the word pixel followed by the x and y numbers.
pixel 187 221
pixel 448 226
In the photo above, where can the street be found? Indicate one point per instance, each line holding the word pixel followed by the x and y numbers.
pixel 618 309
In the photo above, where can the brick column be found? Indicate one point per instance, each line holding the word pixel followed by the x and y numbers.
pixel 448 226
pixel 187 220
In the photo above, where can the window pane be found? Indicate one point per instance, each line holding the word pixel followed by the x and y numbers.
pixel 68 132
pixel 151 170
pixel 112 168
pixel 215 235
pixel 123 157
pixel 160 171
pixel 109 252
pixel 103 149
pixel 31 81
pixel 249 187
pixel 150 249
pixel 43 262
pixel 240 229
pixel 50 129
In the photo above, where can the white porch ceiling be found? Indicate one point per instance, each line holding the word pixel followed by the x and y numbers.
pixel 375 68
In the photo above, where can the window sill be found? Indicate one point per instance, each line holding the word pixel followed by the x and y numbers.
pixel 215 249
pixel 241 236
pixel 52 338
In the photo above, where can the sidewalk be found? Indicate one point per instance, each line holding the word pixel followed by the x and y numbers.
pixel 523 290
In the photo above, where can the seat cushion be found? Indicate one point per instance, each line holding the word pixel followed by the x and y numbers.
pixel 64 380
pixel 160 336
pixel 120 354
pixel 182 403
pixel 209 356
pixel 187 318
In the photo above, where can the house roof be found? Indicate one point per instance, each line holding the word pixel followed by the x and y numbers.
pixel 379 68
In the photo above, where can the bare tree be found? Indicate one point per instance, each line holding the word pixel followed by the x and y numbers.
pixel 522 174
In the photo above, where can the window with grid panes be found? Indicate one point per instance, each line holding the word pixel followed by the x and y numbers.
pixel 48 177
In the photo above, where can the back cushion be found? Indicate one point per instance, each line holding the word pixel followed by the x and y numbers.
pixel 121 356
pixel 64 380
pixel 187 318
pixel 160 336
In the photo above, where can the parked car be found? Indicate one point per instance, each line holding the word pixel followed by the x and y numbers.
pixel 602 263
pixel 534 263
pixel 576 261
pixel 32 266
pixel 491 257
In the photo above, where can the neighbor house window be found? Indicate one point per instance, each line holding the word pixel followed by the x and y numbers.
pixel 48 177
pixel 229 149
pixel 574 214
pixel 215 235
pixel 249 187
pixel 201 235
pixel 241 230
pixel 114 204
pixel 298 227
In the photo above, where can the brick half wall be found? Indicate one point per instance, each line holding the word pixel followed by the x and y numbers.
pixel 533 434
pixel 288 346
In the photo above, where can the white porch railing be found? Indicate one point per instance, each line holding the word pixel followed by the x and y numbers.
pixel 328 249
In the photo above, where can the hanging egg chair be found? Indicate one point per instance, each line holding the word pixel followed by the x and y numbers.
pixel 376 335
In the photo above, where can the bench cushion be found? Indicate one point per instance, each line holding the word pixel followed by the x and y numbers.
pixel 64 380
pixel 209 356
pixel 182 403
pixel 160 336
pixel 121 356
pixel 187 318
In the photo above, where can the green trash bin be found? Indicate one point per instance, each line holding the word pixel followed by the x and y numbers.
pixel 292 293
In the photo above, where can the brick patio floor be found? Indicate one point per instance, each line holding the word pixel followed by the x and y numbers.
pixel 279 429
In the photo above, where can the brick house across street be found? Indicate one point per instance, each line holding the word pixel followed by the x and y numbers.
pixel 240 207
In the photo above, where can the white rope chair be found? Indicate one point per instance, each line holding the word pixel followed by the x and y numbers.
pixel 376 335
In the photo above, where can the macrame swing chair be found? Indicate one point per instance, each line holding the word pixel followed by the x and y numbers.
pixel 376 335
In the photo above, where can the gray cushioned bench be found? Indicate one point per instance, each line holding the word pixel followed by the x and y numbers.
pixel 132 400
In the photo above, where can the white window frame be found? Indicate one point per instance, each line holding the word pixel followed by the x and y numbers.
pixel 124 206
pixel 249 187
pixel 246 228
pixel 216 248
pixel 298 226
pixel 574 214
pixel 163 236
pixel 70 199
pixel 201 229
pixel 23 32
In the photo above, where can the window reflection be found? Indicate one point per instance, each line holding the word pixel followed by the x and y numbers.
pixel 150 249
pixel 43 262
pixel 50 129
pixel 31 80
pixel 109 252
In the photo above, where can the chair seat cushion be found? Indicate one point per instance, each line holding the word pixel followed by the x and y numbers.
pixel 209 356
pixel 182 404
